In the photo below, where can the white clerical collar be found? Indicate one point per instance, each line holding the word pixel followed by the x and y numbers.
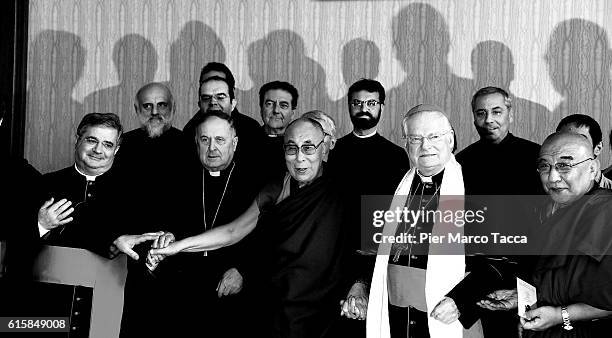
pixel 425 179
pixel 275 135
pixel 365 136
pixel 87 177
pixel 214 173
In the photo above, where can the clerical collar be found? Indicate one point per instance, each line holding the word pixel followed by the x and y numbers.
pixel 365 136
pixel 275 135
pixel 437 178
pixel 218 173
pixel 87 177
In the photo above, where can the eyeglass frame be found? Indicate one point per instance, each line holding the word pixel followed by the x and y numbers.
pixel 301 148
pixel 421 139
pixel 359 103
pixel 562 170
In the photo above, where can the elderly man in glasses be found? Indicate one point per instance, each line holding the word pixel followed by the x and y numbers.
pixel 302 240
pixel 409 296
pixel 572 277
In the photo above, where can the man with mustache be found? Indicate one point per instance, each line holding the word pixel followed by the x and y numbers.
pixel 368 164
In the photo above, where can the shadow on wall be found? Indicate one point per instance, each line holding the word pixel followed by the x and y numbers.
pixel 281 56
pixel 421 41
pixel 360 59
pixel 135 61
pixel 493 65
pixel 52 115
pixel 579 59
pixel 197 44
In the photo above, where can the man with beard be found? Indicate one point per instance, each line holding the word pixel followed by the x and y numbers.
pixel 358 161
pixel 152 161
pixel 246 127
pixel 277 101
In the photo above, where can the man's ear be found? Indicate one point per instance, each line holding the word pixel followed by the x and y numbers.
pixel 597 149
pixel 510 114
pixel 595 167
pixel 235 142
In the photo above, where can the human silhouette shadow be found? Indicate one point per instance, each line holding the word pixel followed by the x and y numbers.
pixel 135 61
pixel 421 41
pixel 280 55
pixel 493 65
pixel 56 66
pixel 579 59
pixel 360 59
pixel 197 44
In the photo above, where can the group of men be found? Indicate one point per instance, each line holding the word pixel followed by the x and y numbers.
pixel 152 186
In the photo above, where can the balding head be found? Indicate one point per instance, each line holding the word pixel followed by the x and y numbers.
pixel 303 150
pixel 154 106
pixel 429 138
pixel 567 167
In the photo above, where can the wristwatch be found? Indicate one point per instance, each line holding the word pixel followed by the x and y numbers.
pixel 567 325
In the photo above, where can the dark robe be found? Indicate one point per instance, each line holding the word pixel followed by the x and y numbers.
pixel 213 201
pixel 303 260
pixel 19 196
pixel 273 154
pixel 577 263
pixel 366 166
pixel 97 209
pixel 507 168
pixel 153 173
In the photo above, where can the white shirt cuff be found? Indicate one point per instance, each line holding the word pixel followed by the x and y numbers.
pixel 42 231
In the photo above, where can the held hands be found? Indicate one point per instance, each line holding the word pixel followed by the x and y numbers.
pixel 542 318
pixel 446 311
pixel 51 215
pixel 355 306
pixel 126 243
pixel 230 283
pixel 500 300
pixel 160 242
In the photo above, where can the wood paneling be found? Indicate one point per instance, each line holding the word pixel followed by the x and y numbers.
pixel 87 55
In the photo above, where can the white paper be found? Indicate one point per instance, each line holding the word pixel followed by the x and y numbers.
pixel 527 296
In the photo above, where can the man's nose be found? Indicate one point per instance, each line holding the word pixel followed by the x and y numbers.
pixel 363 107
pixel 300 156
pixel 488 117
pixel 211 146
pixel 553 175
pixel 98 148
pixel 276 108
pixel 426 143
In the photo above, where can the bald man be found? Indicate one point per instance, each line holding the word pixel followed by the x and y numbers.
pixel 573 278
pixel 153 161
pixel 409 279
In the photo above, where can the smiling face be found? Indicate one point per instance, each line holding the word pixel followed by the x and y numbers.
pixel 95 150
pixel 302 167
pixel 492 117
pixel 155 109
pixel 217 143
pixel 429 157
pixel 565 188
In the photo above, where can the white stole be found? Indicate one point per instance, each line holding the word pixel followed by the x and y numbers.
pixel 443 271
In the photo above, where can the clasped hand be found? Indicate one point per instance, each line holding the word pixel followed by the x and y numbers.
pixel 126 244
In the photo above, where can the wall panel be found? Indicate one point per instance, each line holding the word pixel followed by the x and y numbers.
pixel 87 55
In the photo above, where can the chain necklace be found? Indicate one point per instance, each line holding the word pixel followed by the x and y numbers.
pixel 220 200
pixel 410 232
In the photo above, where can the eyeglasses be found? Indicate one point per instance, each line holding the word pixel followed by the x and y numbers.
pixel 307 149
pixel 414 139
pixel 561 167
pixel 368 103
pixel 218 97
